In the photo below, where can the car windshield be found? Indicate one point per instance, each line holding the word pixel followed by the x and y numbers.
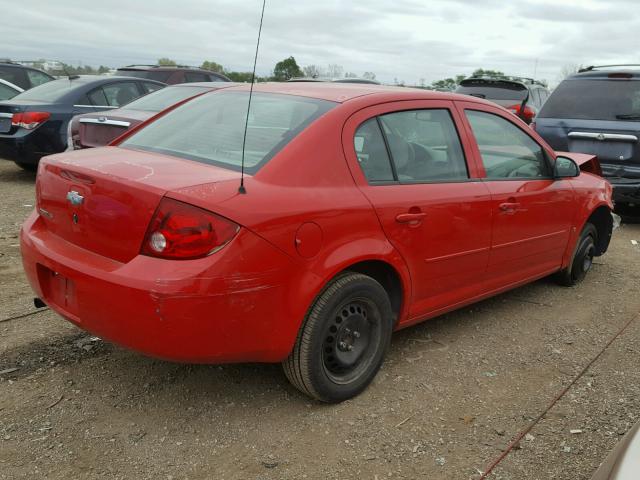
pixel 210 129
pixel 161 76
pixel 493 90
pixel 161 99
pixel 594 100
pixel 49 92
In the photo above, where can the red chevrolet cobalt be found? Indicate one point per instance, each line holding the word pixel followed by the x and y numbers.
pixel 365 209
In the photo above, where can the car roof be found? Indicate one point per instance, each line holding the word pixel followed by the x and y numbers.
pixel 505 81
pixel 165 67
pixel 337 80
pixel 605 73
pixel 343 92
pixel 87 79
pixel 204 84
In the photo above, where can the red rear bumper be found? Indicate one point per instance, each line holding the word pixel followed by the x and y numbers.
pixel 229 307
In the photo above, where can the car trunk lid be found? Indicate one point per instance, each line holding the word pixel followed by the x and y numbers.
pixel 103 199
pixel 100 129
pixel 615 143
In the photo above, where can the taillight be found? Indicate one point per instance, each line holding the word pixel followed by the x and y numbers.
pixel 29 120
pixel 526 114
pixel 181 231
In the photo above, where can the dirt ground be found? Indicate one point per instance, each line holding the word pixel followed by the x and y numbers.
pixel 452 394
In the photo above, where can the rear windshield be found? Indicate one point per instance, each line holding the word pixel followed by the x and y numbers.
pixel 150 74
pixel 210 128
pixel 49 92
pixel 161 99
pixel 493 90
pixel 594 99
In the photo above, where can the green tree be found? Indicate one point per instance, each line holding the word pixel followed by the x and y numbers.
pixel 487 73
pixel 212 66
pixel 447 83
pixel 286 69
pixel 369 75
pixel 167 62
pixel 239 76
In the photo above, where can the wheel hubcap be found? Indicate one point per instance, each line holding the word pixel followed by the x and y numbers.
pixel 349 340
pixel 587 261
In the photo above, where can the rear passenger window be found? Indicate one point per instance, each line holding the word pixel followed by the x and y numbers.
pixel 190 77
pixel 37 78
pixel 97 98
pixel 372 152
pixel 424 146
pixel 151 87
pixel 507 152
pixel 119 94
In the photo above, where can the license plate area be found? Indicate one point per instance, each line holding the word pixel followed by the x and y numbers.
pixel 604 150
pixel 58 290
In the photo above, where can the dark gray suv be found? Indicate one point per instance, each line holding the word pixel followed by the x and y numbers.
pixel 597 111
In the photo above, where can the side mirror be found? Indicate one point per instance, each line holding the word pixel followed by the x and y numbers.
pixel 565 168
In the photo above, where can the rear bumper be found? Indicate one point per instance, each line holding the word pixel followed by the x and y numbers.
pixel 229 307
pixel 625 190
pixel 29 147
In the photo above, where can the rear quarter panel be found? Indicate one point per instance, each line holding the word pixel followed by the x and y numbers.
pixel 306 186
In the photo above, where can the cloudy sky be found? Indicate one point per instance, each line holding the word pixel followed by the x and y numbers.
pixel 408 40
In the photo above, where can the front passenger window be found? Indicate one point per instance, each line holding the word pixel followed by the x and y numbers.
pixel 507 152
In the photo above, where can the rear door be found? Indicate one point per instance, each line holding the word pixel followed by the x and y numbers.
pixel 409 161
pixel 532 212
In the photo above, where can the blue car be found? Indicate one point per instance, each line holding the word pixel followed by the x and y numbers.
pixel 597 111
pixel 34 123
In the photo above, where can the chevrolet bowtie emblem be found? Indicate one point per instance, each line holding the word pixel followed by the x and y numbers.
pixel 75 198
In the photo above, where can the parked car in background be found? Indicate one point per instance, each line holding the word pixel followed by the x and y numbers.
pixel 23 77
pixel 597 111
pixel 8 90
pixel 522 96
pixel 172 74
pixel 623 463
pixel 34 123
pixel 335 80
pixel 99 129
pixel 363 211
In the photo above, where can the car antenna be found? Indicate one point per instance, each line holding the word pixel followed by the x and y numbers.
pixel 241 189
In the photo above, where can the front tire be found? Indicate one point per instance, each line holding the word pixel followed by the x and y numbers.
pixel 342 342
pixel 582 258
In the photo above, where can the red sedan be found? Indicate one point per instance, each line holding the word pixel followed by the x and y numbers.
pixel 366 209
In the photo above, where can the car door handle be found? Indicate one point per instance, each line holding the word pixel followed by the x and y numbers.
pixel 509 207
pixel 410 217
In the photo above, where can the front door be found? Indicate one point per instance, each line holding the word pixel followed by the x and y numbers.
pixel 412 167
pixel 532 212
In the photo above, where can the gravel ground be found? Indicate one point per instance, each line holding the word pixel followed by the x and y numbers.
pixel 450 398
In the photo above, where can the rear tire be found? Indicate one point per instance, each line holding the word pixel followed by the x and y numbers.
pixel 27 166
pixel 582 259
pixel 342 342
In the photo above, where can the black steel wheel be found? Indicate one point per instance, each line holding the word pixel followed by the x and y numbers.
pixel 343 339
pixel 582 260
